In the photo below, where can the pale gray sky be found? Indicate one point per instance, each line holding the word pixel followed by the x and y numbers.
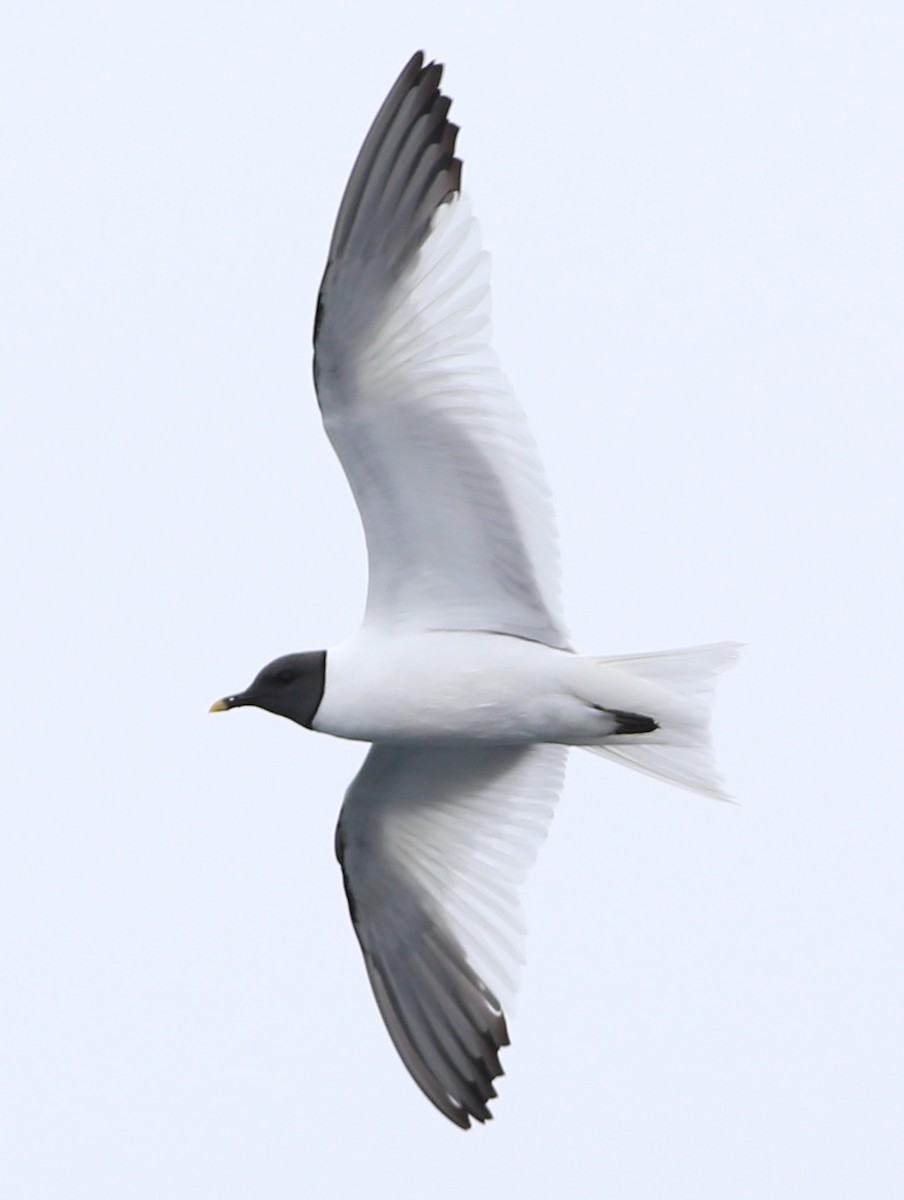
pixel 695 218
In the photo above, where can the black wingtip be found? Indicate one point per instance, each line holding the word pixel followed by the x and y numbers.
pixel 415 94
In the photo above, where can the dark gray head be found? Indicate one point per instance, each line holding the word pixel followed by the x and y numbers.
pixel 291 686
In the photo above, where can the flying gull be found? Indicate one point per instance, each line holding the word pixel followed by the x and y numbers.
pixel 462 676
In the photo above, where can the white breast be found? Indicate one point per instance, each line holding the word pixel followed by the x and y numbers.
pixel 437 686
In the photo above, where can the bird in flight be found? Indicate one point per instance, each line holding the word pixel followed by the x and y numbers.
pixel 461 676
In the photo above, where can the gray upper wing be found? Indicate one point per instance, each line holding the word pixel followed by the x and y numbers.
pixel 453 499
pixel 433 842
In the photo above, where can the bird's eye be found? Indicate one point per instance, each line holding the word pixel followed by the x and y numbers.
pixel 285 676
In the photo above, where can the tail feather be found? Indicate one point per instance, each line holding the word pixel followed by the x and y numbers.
pixel 679 751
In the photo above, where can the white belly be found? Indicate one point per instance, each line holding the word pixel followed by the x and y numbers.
pixel 459 686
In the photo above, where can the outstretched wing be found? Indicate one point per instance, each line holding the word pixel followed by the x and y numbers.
pixel 433 841
pixel 456 511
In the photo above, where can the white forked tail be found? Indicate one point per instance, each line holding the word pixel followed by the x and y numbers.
pixel 680 750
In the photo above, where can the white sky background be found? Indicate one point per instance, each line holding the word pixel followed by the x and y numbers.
pixel 694 212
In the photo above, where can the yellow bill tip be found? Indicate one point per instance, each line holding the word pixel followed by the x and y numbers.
pixel 218 706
